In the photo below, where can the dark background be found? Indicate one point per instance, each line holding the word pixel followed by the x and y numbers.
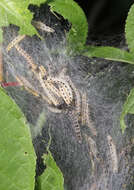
pixel 105 16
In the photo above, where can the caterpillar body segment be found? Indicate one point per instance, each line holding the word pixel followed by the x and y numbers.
pixel 113 154
pixel 85 115
pixel 83 111
pixel 59 92
pixel 53 99
pixel 41 26
pixel 53 93
pixel 93 147
pixel 89 122
pixel 43 71
pixel 65 94
pixel 27 57
pixel 15 42
pixel 64 89
pixel 76 95
pixel 19 38
pixel 25 83
pixel 53 89
pixel 76 126
pixel 39 72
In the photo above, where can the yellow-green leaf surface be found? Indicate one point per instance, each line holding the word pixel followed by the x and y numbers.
pixel 37 2
pixel 52 178
pixel 16 12
pixel 110 53
pixel 129 29
pixel 71 11
pixel 128 107
pixel 17 156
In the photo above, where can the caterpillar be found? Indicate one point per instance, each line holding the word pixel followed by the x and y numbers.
pixel 113 154
pixel 76 126
pixel 15 42
pixel 85 114
pixel 64 89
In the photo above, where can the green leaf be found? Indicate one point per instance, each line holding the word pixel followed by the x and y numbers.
pixel 37 2
pixel 129 29
pixel 110 53
pixel 17 156
pixel 52 178
pixel 16 12
pixel 71 11
pixel 128 107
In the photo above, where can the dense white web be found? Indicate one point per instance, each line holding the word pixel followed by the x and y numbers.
pixel 101 162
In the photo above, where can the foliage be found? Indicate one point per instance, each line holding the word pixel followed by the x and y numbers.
pixel 77 42
pixel 129 29
pixel 78 33
pixel 17 156
pixel 117 54
pixel 16 12
pixel 127 108
pixel 110 53
pixel 52 177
